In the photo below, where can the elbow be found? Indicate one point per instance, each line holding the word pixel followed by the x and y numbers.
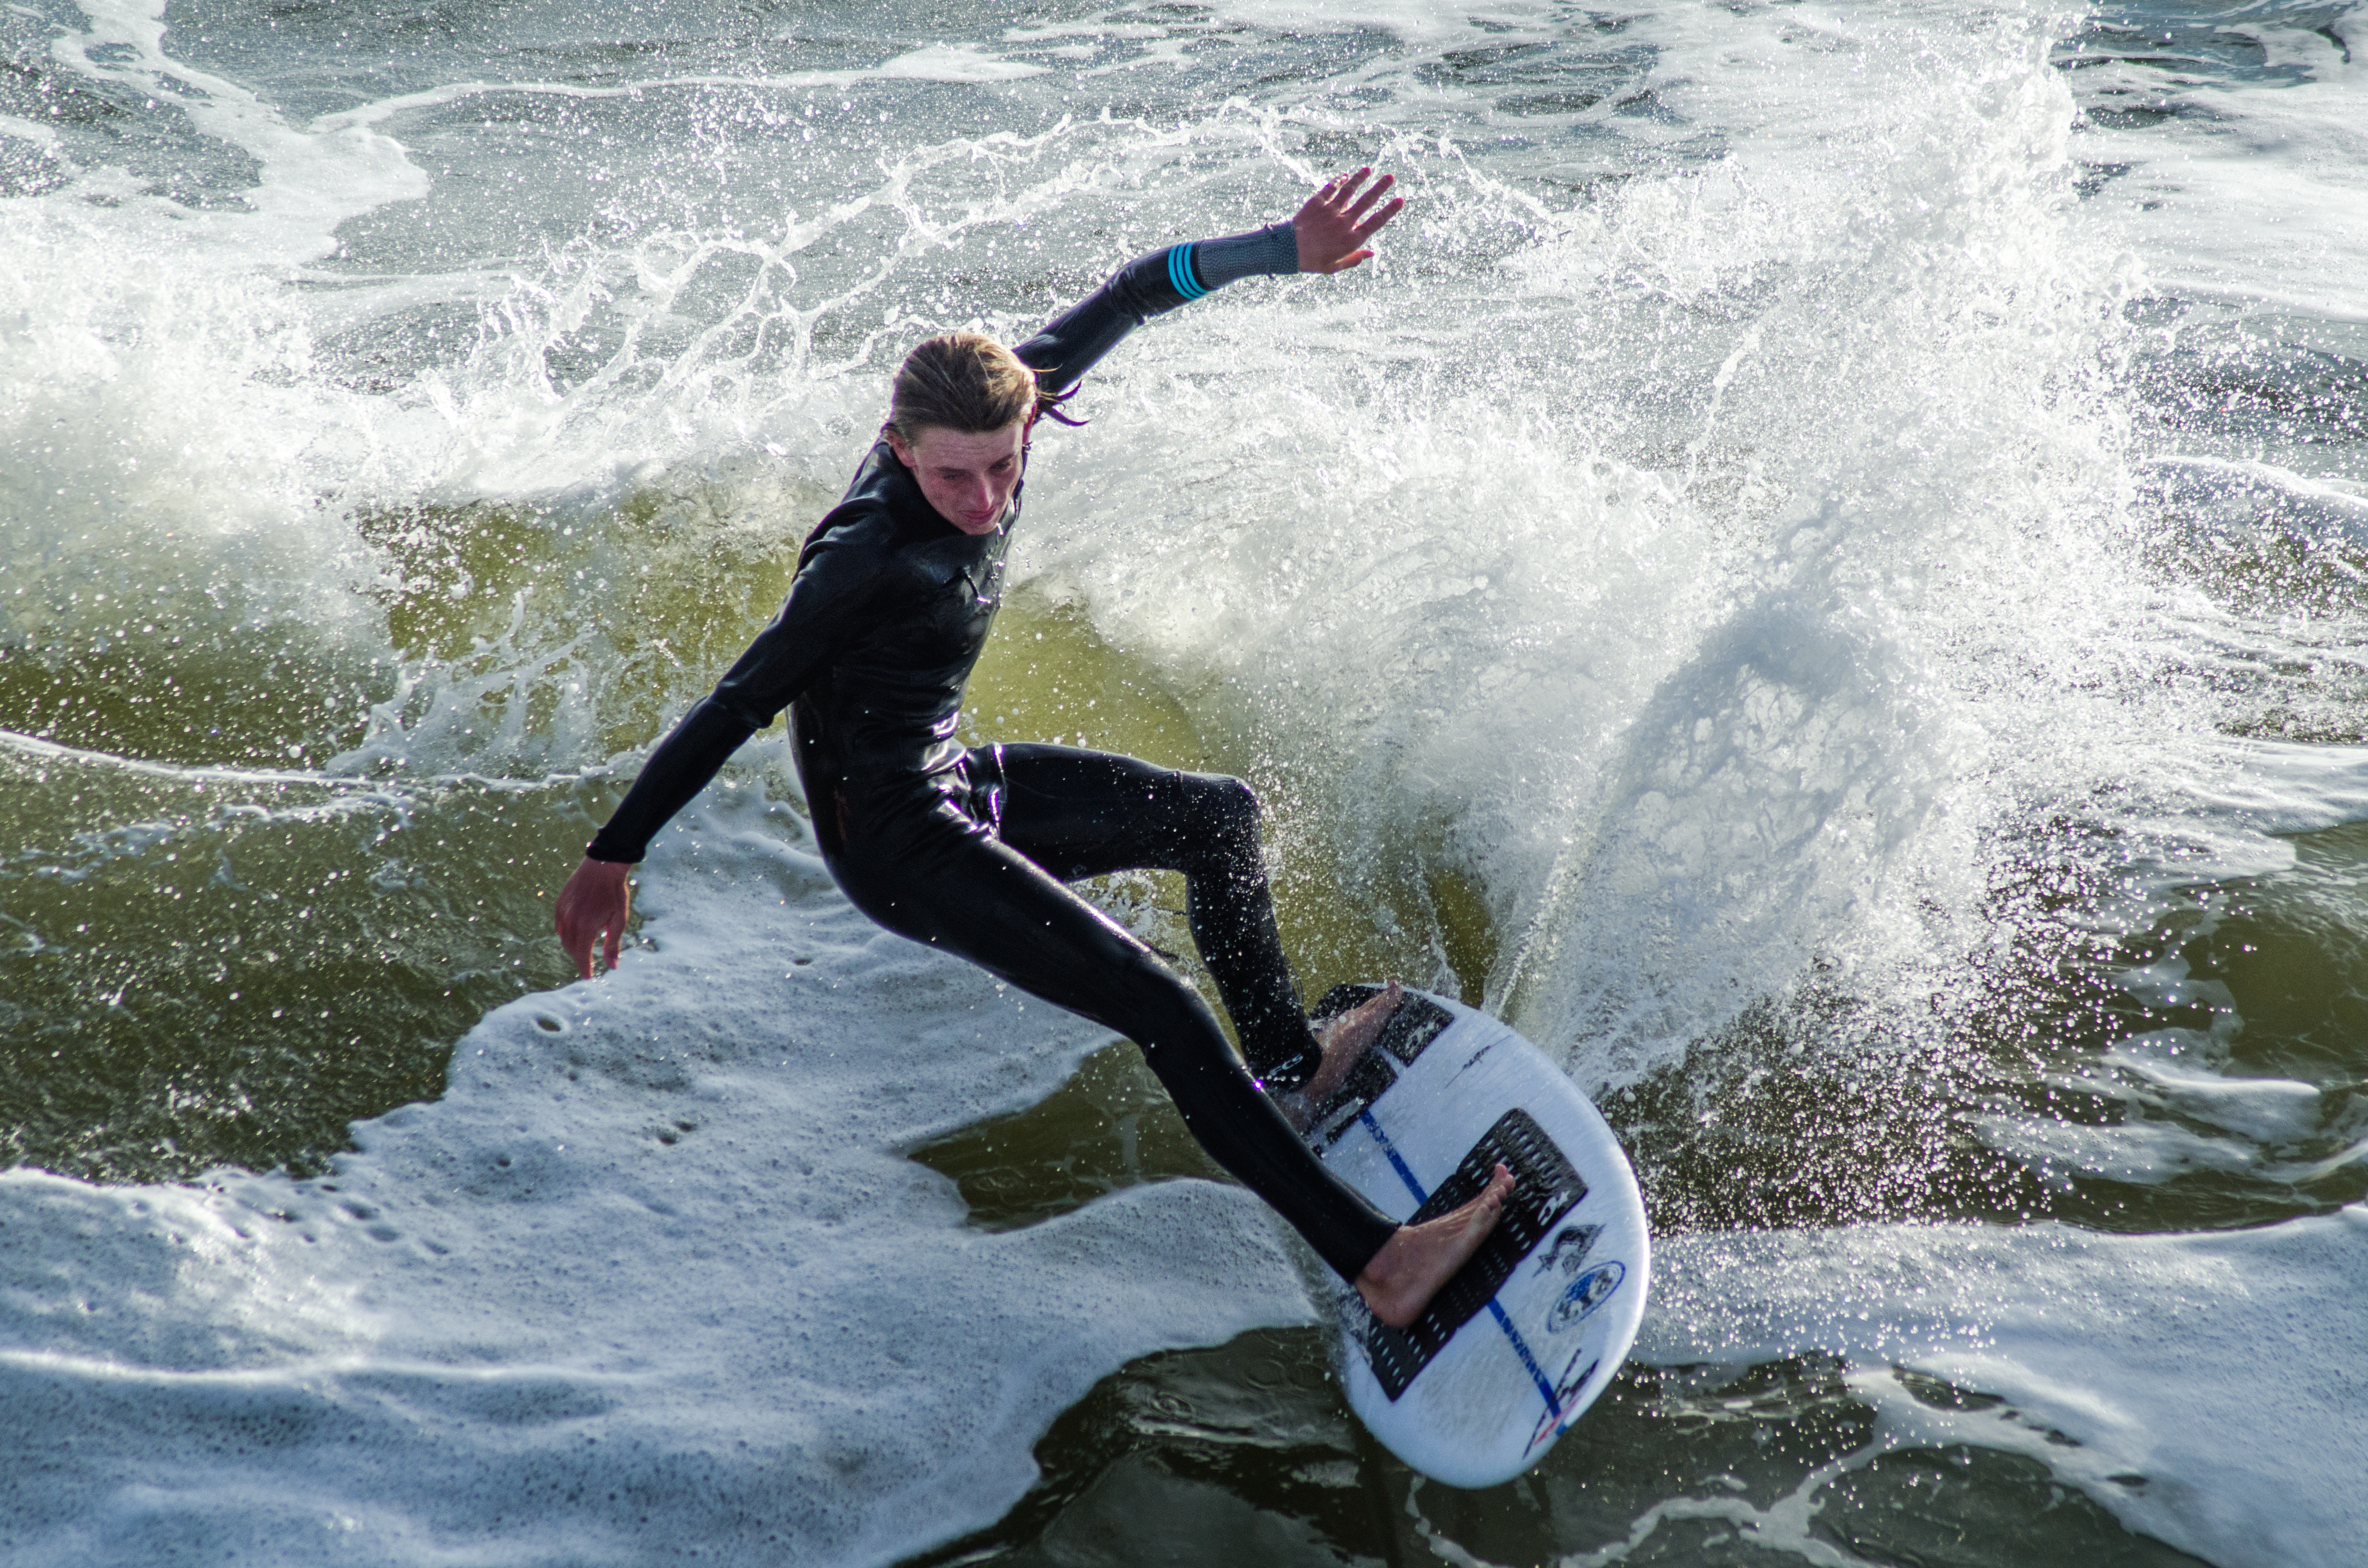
pixel 735 704
pixel 1140 289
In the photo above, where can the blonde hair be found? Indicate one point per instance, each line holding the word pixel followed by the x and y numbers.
pixel 961 380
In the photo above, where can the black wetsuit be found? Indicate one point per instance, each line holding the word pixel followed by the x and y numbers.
pixel 967 849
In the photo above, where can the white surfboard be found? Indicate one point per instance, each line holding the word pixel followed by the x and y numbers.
pixel 1524 1338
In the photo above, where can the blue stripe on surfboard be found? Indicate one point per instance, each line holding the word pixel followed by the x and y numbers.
pixel 1520 1346
pixel 1406 1176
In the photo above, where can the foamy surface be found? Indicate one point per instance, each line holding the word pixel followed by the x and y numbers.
pixel 629 1291
pixel 1817 576
pixel 679 1285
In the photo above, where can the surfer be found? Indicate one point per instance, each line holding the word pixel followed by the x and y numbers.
pixel 969 848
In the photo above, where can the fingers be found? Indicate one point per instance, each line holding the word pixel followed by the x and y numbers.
pixel 1374 192
pixel 1349 195
pixel 1341 216
pixel 1338 184
pixel 1342 188
pixel 580 944
pixel 575 944
pixel 596 902
pixel 1372 226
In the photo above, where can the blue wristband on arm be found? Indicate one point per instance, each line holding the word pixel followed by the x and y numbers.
pixel 1211 264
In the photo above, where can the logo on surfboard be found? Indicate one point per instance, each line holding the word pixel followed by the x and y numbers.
pixel 1569 1248
pixel 1586 1293
pixel 1559 1414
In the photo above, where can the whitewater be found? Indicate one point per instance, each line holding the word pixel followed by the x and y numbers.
pixel 1819 575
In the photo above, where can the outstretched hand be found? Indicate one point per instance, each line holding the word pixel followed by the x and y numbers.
pixel 595 905
pixel 1333 225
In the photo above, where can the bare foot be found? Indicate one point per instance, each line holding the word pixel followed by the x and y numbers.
pixel 1344 1043
pixel 1418 1259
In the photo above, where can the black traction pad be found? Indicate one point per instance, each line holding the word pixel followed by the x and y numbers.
pixel 1417 1021
pixel 1546 1188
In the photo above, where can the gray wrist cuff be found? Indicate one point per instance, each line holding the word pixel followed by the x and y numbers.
pixel 1267 251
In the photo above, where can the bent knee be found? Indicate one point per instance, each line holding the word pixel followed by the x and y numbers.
pixel 1222 805
pixel 1148 990
pixel 1155 1006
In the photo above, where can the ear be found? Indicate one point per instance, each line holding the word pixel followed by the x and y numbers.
pixel 896 445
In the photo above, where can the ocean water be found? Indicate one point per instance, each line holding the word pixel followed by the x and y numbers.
pixel 1823 574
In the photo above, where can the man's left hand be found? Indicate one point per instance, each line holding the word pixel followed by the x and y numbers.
pixel 1333 225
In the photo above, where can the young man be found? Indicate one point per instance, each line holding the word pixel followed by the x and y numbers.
pixel 966 849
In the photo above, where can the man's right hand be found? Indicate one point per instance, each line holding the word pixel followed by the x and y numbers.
pixel 594 904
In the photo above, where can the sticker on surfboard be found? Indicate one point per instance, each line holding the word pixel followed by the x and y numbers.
pixel 1532 1331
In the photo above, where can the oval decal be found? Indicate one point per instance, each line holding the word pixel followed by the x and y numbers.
pixel 1586 1293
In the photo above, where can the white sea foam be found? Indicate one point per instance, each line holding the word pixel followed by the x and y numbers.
pixel 1421 22
pixel 2207 1389
pixel 309 183
pixel 654 1265
pixel 2253 197
pixel 655 1268
pixel 1690 661
pixel 157 481
pixel 937 63
pixel 1721 572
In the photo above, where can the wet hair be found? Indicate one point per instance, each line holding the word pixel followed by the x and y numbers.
pixel 968 383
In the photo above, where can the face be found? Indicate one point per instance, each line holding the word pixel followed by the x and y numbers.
pixel 967 476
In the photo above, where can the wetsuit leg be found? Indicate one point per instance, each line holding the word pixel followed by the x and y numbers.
pixel 935 876
pixel 1082 813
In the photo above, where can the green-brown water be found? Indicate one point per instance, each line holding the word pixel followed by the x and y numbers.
pixel 1248 1454
pixel 216 963
pixel 1819 572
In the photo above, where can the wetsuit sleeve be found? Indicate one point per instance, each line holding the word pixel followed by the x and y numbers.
pixel 1074 341
pixel 830 598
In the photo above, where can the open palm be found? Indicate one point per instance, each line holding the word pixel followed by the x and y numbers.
pixel 1333 225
